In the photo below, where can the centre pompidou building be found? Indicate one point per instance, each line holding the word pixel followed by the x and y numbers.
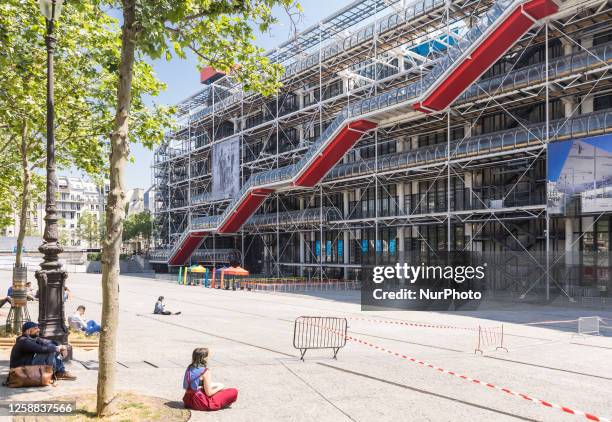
pixel 405 129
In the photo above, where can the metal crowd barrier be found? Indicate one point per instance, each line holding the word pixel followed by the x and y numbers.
pixel 319 333
pixel 298 284
pixel 490 337
pixel 589 325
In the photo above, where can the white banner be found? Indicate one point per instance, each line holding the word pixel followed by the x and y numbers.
pixel 226 168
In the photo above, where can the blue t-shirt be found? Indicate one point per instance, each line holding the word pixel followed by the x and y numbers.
pixel 9 292
pixel 193 375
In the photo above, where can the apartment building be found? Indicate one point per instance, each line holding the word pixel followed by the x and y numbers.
pixel 77 196
pixel 404 130
pixel 35 224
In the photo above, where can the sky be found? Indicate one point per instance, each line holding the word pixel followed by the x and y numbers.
pixel 182 78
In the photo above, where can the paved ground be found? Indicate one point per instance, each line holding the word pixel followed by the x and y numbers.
pixel 250 335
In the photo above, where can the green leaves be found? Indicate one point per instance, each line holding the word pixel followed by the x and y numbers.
pixel 138 225
pixel 220 33
pixel 225 41
pixel 86 73
pixel 86 63
pixel 88 228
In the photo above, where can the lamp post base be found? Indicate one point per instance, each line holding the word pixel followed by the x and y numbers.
pixel 51 317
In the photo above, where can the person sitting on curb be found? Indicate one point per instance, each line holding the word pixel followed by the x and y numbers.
pixel 201 393
pixel 30 349
pixel 80 323
pixel 159 308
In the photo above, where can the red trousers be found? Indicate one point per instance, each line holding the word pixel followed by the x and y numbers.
pixel 197 400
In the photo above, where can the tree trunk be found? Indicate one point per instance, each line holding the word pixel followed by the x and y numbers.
pixel 25 193
pixel 23 225
pixel 115 214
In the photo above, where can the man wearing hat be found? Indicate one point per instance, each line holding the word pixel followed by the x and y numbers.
pixel 30 349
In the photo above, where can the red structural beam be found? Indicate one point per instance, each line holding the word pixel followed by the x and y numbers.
pixel 487 53
pixel 190 244
pixel 331 154
pixel 209 74
pixel 245 209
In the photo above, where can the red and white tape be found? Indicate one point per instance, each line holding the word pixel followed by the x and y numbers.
pixel 527 397
pixel 412 324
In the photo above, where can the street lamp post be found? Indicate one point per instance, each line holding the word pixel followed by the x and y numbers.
pixel 51 277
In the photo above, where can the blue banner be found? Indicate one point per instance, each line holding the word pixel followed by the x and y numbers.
pixel 379 245
pixel 340 248
pixel 328 248
pixel 392 246
pixel 317 248
pixel 364 246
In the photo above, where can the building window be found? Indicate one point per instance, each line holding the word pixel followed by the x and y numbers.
pixel 602 102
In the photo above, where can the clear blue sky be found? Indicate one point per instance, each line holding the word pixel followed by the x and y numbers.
pixel 182 77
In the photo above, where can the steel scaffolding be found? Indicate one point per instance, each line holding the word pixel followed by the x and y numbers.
pixel 470 177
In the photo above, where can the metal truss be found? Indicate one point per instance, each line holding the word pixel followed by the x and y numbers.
pixel 325 71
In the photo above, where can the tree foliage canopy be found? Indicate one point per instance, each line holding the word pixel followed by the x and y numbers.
pixel 221 33
pixel 87 57
pixel 138 225
pixel 88 228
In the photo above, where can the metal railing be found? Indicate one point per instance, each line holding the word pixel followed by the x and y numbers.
pixel 159 255
pixel 319 333
pixel 534 134
pixel 216 255
pixel 298 284
pixel 295 218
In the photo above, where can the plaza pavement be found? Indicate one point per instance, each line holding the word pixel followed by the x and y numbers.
pixel 250 336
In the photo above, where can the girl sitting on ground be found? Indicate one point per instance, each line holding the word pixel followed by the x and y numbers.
pixel 201 392
pixel 160 308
